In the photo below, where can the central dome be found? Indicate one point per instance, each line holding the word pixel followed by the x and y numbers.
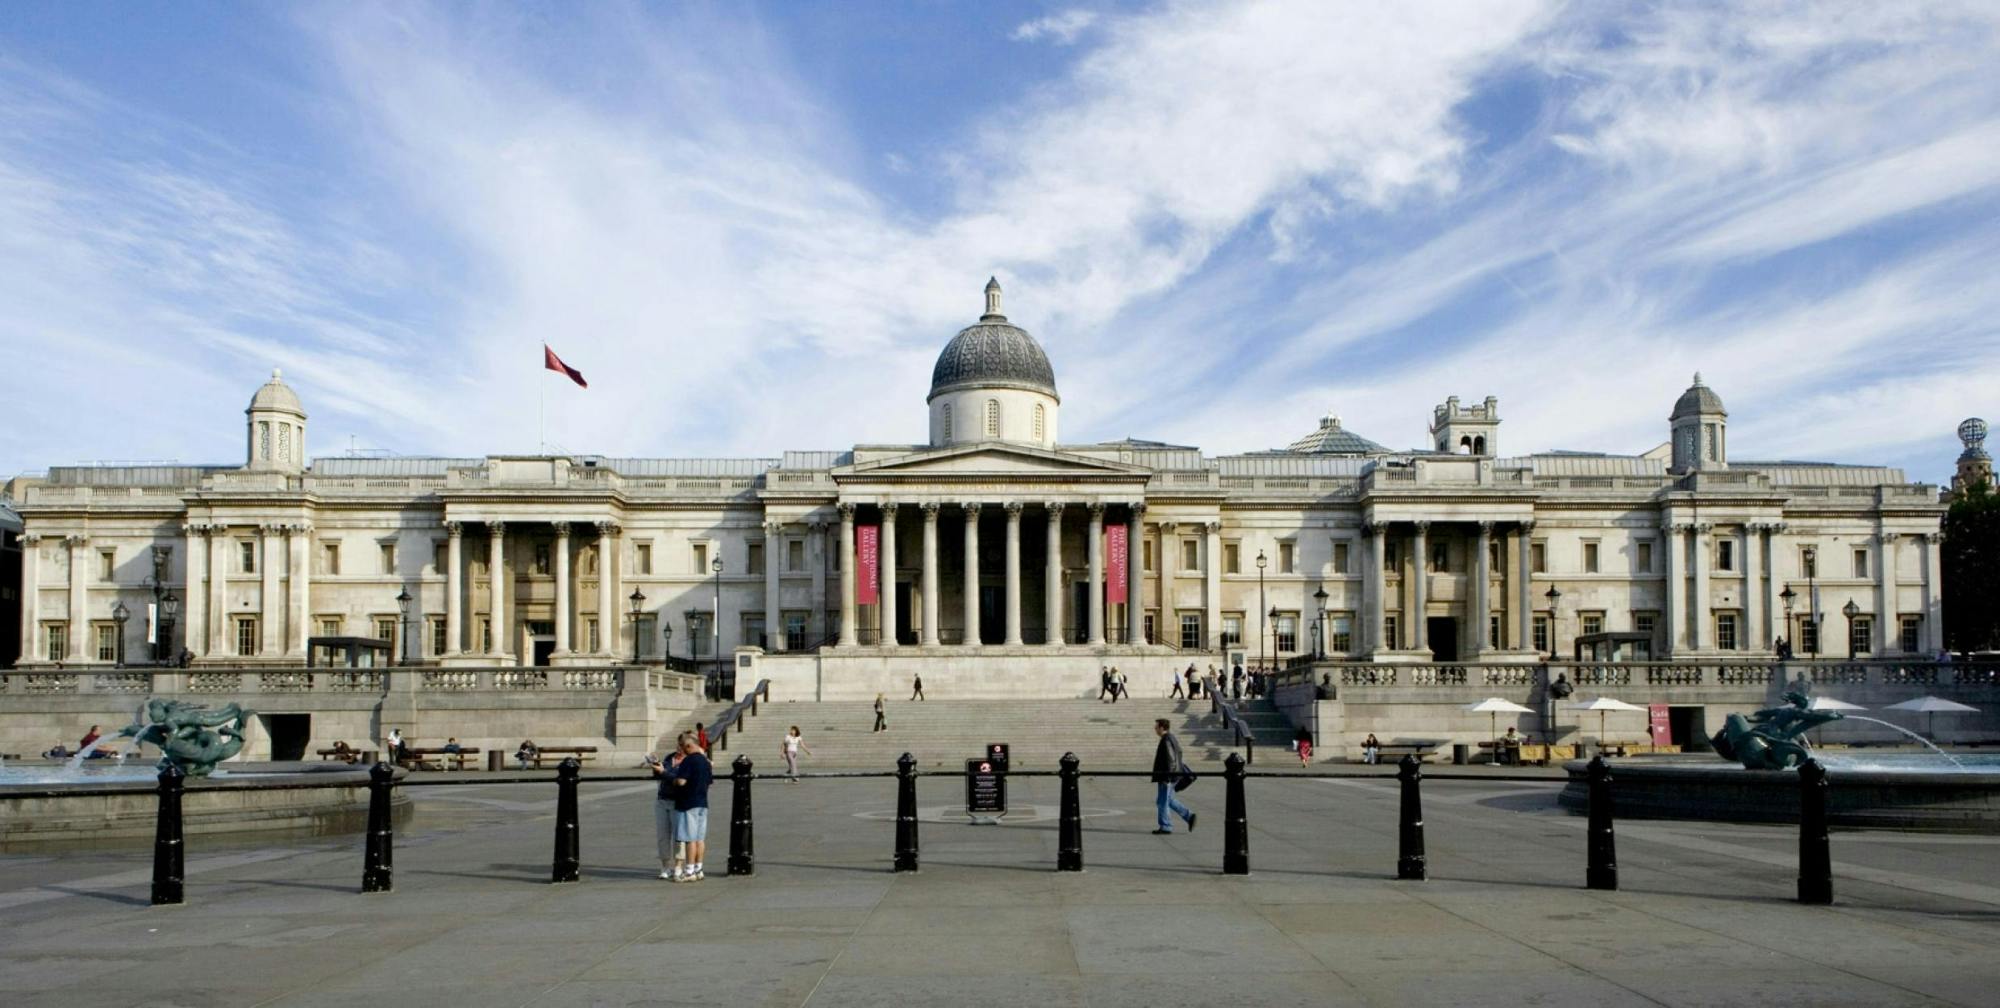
pixel 993 353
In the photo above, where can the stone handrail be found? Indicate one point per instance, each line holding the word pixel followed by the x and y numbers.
pixel 1686 672
pixel 375 681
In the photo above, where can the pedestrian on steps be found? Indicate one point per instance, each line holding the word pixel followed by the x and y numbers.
pixel 1117 684
pixel 1176 691
pixel 1103 682
pixel 790 748
pixel 917 687
pixel 881 722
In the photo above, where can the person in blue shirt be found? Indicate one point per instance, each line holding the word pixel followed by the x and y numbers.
pixel 673 854
pixel 691 781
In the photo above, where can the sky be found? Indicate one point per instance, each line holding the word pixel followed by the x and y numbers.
pixel 753 226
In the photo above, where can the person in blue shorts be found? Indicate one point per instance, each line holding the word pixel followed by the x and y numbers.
pixel 691 781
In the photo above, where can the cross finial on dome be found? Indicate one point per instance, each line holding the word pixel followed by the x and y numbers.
pixel 992 295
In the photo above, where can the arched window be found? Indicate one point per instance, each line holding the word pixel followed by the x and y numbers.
pixel 993 418
pixel 947 421
pixel 1465 445
pixel 1479 445
pixel 1041 422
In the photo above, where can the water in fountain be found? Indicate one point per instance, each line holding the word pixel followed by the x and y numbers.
pixel 1927 742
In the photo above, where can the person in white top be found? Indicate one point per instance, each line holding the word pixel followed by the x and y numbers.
pixel 790 747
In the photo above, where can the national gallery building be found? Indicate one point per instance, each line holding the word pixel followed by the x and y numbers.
pixel 992 556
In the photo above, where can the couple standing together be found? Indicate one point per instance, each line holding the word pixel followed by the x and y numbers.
pixel 680 814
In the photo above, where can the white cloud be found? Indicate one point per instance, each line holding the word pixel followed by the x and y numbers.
pixel 1062 27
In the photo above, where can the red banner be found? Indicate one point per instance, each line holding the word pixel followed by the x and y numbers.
pixel 1117 554
pixel 867 564
pixel 1658 726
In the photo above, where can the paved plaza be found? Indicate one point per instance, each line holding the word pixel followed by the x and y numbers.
pixel 1705 916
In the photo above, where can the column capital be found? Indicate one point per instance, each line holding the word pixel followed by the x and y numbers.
pixel 1054 508
pixel 1485 529
pixel 971 510
pixel 817 526
pixel 34 538
pixel 888 506
pixel 1932 537
pixel 267 528
pixel 606 529
pixel 846 509
pixel 1422 527
pixel 1211 527
pixel 1376 529
pixel 1167 527
pixel 1526 525
pixel 454 529
pixel 930 510
pixel 772 530
pixel 1703 528
pixel 73 541
pixel 1138 508
pixel 562 530
pixel 1013 509
pixel 496 529
pixel 1096 511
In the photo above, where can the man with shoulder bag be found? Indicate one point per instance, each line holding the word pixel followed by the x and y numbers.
pixel 1170 774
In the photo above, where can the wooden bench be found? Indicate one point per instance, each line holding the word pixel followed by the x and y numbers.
pixel 1390 752
pixel 1617 748
pixel 438 759
pixel 343 755
pixel 583 754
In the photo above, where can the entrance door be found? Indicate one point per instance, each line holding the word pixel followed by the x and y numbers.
pixel 290 734
pixel 544 647
pixel 1079 611
pixel 992 615
pixel 1687 728
pixel 1443 632
pixel 904 635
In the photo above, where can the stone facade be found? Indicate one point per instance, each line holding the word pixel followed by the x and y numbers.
pixel 993 562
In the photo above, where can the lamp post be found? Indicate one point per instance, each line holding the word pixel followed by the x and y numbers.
pixel 1812 596
pixel 1261 635
pixel 119 614
pixel 1554 595
pixel 162 622
pixel 403 624
pixel 715 631
pixel 1319 623
pixel 693 620
pixel 666 638
pixel 638 600
pixel 1272 626
pixel 1850 610
pixel 169 607
pixel 1787 596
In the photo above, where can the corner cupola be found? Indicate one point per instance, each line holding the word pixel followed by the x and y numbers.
pixel 1700 430
pixel 993 383
pixel 276 428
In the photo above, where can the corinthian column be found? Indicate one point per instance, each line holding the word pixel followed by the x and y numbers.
pixel 971 600
pixel 1420 586
pixel 496 585
pixel 298 582
pixel 194 594
pixel 1095 545
pixel 1013 572
pixel 847 635
pixel 889 608
pixel 607 589
pixel 1375 586
pixel 454 606
pixel 1135 612
pixel 271 606
pixel 930 509
pixel 562 588
pixel 1052 601
pixel 31 594
pixel 1482 560
pixel 774 617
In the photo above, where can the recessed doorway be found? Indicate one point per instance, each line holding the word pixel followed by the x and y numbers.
pixel 290 734
pixel 1443 631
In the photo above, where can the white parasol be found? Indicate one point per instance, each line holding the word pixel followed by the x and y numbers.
pixel 1829 703
pixel 1493 707
pixel 1602 704
pixel 1929 707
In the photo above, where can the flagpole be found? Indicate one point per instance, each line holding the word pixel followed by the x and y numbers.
pixel 542 411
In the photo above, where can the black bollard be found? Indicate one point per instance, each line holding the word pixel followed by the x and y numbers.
pixel 906 813
pixel 742 856
pixel 1815 859
pixel 378 858
pixel 569 855
pixel 1069 828
pixel 169 870
pixel 1235 819
pixel 1602 847
pixel 1410 837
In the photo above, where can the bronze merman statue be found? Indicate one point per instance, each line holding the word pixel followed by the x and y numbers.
pixel 1766 740
pixel 190 736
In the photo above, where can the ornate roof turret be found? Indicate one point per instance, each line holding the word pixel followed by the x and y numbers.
pixel 276 395
pixel 993 353
pixel 1698 398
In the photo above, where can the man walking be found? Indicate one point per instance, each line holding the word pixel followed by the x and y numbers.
pixel 1103 683
pixel 1176 691
pixel 917 687
pixel 691 780
pixel 1166 767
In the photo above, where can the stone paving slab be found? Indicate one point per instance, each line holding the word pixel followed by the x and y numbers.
pixel 1705 917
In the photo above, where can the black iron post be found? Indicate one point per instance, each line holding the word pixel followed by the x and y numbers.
pixel 569 856
pixel 742 856
pixel 169 871
pixel 1410 835
pixel 1069 828
pixel 1235 819
pixel 906 813
pixel 378 856
pixel 1815 859
pixel 1602 848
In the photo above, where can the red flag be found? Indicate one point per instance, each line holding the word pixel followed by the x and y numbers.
pixel 867 563
pixel 554 363
pixel 1117 557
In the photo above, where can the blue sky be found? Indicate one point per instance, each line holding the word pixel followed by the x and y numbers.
pixel 753 226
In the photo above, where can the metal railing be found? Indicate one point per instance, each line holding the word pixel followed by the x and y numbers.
pixel 298 681
pixel 731 720
pixel 1692 672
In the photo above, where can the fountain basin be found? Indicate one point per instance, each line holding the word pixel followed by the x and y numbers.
pixel 1890 792
pixel 120 808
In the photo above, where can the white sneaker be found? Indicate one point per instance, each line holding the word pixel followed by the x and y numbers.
pixel 696 875
pixel 667 873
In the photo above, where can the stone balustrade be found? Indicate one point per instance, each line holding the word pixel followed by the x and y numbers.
pixel 293 681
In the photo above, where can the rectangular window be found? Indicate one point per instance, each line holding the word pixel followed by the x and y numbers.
pixel 388 558
pixel 1861 635
pixel 1590 558
pixel 795 554
pixel 1190 631
pixel 1149 625
pixel 1190 554
pixel 592 635
pixel 107 641
pixel 1288 632
pixel 1642 558
pixel 329 558
pixel 753 630
pixel 1232 558
pixel 1146 556
pixel 1542 634
pixel 1232 629
pixel 1285 558
pixel 1591 622
pixel 754 562
pixel 440 557
pixel 486 636
pixel 437 635
pixel 1340 632
pixel 698 635
pixel 1440 557
pixel 1538 558
pixel 1643 622
pixel 1392 636
pixel 642 558
pixel 385 629
pixel 1725 631
pixel 1493 627
pixel 247 553
pixel 1494 558
pixel 1808 635
pixel 1340 558
pixel 795 629
pixel 329 626
pixel 246 635
pixel 1725 554
pixel 1861 563
pixel 1392 556
pixel 1808 562
pixel 107 566
pixel 57 634
pixel 544 557
pixel 1909 639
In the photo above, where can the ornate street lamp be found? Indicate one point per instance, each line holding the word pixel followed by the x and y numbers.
pixel 692 615
pixel 1788 596
pixel 1554 595
pixel 666 638
pixel 169 607
pixel 715 631
pixel 1812 596
pixel 403 624
pixel 1850 610
pixel 638 600
pixel 162 615
pixel 1261 636
pixel 1273 627
pixel 1319 624
pixel 119 614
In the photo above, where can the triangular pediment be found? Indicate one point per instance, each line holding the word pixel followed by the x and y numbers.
pixel 989 460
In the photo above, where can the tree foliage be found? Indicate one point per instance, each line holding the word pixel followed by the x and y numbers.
pixel 1971 559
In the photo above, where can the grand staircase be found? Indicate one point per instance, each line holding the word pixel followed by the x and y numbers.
pixel 942 734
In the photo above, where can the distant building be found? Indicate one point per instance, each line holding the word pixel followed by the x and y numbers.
pixel 998 546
